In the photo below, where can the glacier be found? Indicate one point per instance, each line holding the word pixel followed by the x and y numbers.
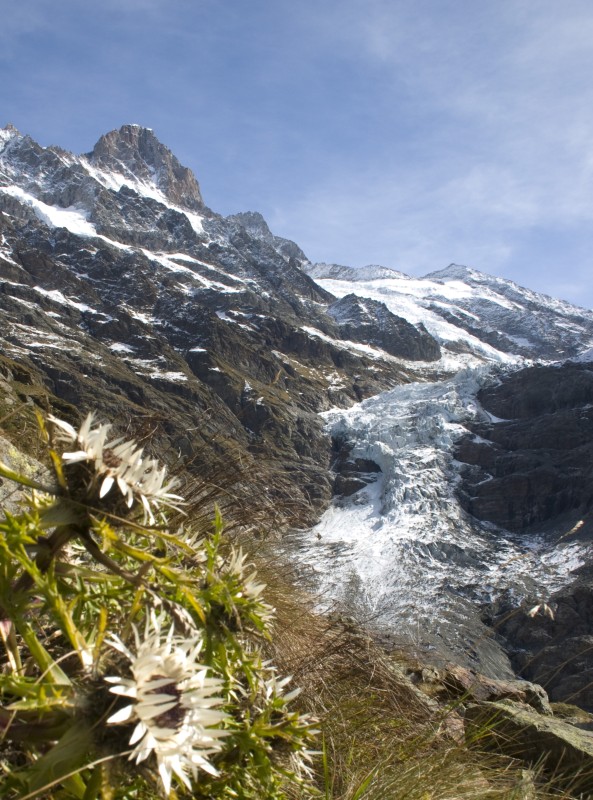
pixel 400 554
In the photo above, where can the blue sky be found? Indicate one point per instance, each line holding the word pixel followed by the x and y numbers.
pixel 410 133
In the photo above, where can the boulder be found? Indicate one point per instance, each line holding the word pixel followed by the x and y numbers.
pixel 519 731
pixel 468 684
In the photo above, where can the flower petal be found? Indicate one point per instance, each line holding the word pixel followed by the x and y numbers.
pixel 123 715
pixel 106 485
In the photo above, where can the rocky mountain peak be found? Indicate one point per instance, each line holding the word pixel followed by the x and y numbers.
pixel 9 130
pixel 8 133
pixel 136 153
pixel 455 272
pixel 257 227
pixel 254 223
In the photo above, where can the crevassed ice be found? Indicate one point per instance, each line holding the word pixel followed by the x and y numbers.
pixel 402 549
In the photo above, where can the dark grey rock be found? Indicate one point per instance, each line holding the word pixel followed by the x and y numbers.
pixel 369 321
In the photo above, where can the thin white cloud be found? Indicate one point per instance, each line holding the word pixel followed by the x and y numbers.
pixel 412 132
pixel 500 100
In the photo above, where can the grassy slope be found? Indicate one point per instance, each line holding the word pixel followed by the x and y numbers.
pixel 382 738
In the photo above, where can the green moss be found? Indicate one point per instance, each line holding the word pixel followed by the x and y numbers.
pixel 573 714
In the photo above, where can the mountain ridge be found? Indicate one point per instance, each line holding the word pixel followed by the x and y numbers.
pixel 120 289
pixel 170 307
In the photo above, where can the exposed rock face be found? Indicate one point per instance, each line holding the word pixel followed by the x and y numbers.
pixel 556 649
pixel 351 474
pixel 256 226
pixel 127 294
pixel 137 153
pixel 534 464
pixel 371 321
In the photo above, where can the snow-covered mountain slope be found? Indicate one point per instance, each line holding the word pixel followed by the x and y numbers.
pixel 468 312
pixel 120 288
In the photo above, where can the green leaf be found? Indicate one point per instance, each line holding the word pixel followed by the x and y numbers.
pixel 6 472
pixel 59 514
pixel 94 784
pixel 361 791
pixel 45 662
pixel 68 755
pixel 37 697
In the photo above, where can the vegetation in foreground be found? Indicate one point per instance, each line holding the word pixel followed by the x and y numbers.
pixel 132 663
pixel 138 660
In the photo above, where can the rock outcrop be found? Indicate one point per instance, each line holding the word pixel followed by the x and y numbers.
pixel 564 752
pixel 533 463
pixel 555 648
pixel 136 153
pixel 366 320
pixel 257 227
pixel 530 469
pixel 127 294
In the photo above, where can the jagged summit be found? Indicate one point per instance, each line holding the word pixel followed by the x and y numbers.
pixel 255 224
pixel 338 271
pixel 136 153
pixel 7 133
pixel 454 272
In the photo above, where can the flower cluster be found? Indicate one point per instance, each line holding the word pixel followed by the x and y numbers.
pixel 167 626
pixel 173 701
pixel 119 463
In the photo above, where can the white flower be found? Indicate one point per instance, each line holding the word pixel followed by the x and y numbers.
pixel 119 463
pixel 273 686
pixel 172 702
pixel 272 692
pixel 251 589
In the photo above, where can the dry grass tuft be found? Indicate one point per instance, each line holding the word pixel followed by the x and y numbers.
pixel 383 738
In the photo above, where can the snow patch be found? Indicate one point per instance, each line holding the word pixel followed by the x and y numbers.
pixel 120 347
pixel 584 357
pixel 73 218
pixel 58 297
pixel 346 344
pixel 167 260
pixel 173 377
